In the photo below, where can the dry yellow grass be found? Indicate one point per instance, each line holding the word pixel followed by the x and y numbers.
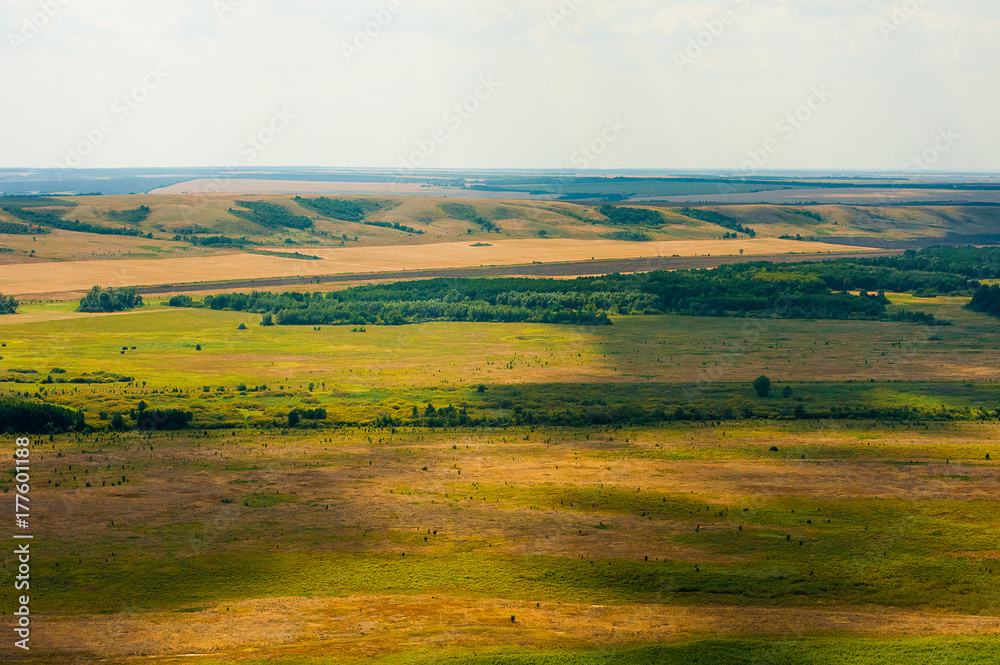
pixel 371 626
pixel 21 280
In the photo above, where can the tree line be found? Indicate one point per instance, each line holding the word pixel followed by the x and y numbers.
pixel 15 229
pixel 973 263
pixel 717 218
pixel 30 417
pixel 54 220
pixel 755 290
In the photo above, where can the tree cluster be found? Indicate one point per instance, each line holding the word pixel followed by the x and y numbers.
pixel 134 216
pixel 28 417
pixel 632 216
pixel 761 290
pixel 270 215
pixel 8 305
pixel 717 218
pixel 342 209
pixel 98 300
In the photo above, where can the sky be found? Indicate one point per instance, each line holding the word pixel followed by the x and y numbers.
pixel 748 85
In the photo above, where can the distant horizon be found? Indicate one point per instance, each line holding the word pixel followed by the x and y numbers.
pixel 645 171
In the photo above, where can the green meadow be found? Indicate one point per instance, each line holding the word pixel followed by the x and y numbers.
pixel 628 470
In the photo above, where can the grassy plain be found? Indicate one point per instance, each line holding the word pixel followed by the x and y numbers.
pixel 799 542
pixel 730 540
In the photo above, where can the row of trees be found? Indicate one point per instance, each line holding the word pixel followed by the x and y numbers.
pixel 760 289
pixel 15 229
pixel 214 241
pixel 717 218
pixel 637 415
pixel 973 263
pixel 54 220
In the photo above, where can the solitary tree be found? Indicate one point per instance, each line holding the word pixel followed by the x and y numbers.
pixel 8 305
pixel 762 385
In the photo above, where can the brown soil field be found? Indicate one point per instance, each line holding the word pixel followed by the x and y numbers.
pixel 21 280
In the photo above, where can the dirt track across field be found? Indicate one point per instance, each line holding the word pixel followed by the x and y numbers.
pixel 572 269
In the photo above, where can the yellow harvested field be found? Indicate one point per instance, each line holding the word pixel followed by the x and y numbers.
pixel 38 278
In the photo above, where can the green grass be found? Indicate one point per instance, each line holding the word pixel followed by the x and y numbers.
pixel 793 650
pixel 255 522
pixel 787 552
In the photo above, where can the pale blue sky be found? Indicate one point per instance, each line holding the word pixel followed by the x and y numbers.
pixel 894 82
